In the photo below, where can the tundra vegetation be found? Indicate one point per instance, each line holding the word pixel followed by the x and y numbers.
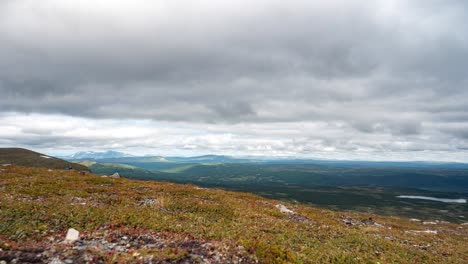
pixel 124 220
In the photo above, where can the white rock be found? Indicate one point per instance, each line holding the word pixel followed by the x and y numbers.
pixel 56 261
pixel 429 223
pixel 284 209
pixel 415 220
pixel 428 231
pixel 147 201
pixel 424 231
pixel 72 235
pixel 115 175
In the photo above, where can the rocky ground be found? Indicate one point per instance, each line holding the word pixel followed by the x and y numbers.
pixel 109 244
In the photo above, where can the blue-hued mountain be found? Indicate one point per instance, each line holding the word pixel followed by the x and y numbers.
pixel 114 156
pixel 94 155
pixel 120 157
pixel 210 159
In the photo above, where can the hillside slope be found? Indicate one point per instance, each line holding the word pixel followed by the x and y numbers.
pixel 122 220
pixel 28 158
pixel 125 170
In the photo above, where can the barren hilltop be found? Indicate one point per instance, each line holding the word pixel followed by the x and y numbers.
pixel 29 158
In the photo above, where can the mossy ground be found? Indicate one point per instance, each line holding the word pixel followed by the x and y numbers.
pixel 37 204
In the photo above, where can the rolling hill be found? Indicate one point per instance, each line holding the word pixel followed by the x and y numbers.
pixel 123 169
pixel 363 189
pixel 132 221
pixel 28 158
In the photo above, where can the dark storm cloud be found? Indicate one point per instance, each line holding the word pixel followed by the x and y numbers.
pixel 225 61
pixel 381 68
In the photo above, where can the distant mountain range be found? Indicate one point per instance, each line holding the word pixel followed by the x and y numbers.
pixel 211 159
pixel 94 155
pixel 120 157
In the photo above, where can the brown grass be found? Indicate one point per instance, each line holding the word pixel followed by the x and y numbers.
pixel 36 204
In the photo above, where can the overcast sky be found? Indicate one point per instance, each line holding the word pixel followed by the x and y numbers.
pixel 350 79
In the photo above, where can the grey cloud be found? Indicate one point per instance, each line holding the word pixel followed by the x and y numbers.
pixel 52 134
pixel 388 68
pixel 198 62
pixel 459 131
pixel 400 127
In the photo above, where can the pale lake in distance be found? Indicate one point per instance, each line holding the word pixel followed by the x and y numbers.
pixel 444 200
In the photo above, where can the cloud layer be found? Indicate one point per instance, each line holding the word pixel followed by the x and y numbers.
pixel 342 76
